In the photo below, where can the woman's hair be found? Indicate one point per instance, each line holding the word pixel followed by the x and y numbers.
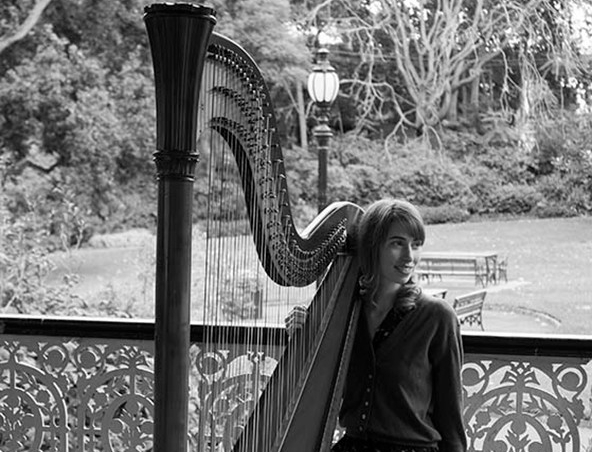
pixel 372 231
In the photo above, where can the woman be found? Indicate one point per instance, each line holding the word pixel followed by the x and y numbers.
pixel 403 390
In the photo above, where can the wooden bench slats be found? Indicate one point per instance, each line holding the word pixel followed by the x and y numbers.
pixel 429 268
pixel 469 307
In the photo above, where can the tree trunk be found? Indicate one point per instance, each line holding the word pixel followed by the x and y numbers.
pixel 473 107
pixel 475 93
pixel 452 115
pixel 302 116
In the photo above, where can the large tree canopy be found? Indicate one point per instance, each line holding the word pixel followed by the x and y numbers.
pixel 268 32
pixel 415 57
pixel 77 93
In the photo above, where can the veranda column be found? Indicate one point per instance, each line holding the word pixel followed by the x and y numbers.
pixel 178 35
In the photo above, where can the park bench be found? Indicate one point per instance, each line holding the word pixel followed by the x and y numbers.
pixel 501 271
pixel 430 268
pixel 469 307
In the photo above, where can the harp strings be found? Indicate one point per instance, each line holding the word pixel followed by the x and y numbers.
pixel 236 293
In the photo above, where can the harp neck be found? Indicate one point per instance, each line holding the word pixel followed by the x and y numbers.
pixel 237 105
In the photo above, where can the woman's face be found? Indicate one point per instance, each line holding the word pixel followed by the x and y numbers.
pixel 398 256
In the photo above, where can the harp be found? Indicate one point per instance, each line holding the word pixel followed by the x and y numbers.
pixel 208 89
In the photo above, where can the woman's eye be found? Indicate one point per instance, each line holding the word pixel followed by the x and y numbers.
pixel 399 243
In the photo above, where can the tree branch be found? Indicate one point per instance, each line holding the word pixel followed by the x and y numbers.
pixel 26 26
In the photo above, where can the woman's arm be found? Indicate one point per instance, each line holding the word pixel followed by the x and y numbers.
pixel 448 390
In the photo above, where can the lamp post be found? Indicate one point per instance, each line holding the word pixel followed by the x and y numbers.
pixel 323 86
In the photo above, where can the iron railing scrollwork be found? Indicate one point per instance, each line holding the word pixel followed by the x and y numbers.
pixel 87 385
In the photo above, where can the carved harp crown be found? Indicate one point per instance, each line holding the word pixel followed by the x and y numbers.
pixel 221 94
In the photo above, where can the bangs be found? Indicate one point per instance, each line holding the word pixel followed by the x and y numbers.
pixel 412 226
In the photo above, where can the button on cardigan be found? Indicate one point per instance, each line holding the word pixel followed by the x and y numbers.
pixel 408 391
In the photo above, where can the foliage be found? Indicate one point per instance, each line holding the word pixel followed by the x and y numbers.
pixel 350 174
pixel 25 261
pixel 77 131
pixel 445 213
pixel 279 50
pixel 241 295
pixel 67 122
pixel 18 18
pixel 83 23
pixel 267 31
pixel 515 199
pixel 566 159
pixel 361 170
pixel 128 300
pixel 491 174
pixel 417 65
pixel 429 180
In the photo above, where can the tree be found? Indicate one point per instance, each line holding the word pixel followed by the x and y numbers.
pixel 267 31
pixel 77 107
pixel 67 121
pixel 437 47
pixel 19 18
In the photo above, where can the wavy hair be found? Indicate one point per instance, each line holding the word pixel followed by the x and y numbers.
pixel 372 231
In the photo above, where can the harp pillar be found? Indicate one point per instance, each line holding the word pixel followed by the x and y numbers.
pixel 178 35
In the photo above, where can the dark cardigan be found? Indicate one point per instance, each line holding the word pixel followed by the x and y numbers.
pixel 408 390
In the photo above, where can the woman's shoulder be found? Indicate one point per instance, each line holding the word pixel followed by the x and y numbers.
pixel 436 306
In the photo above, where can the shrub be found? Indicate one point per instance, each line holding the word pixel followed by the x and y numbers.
pixel 494 197
pixel 303 214
pixel 481 187
pixel 443 214
pixel 25 264
pixel 427 179
pixel 359 170
pixel 544 210
pixel 434 184
pixel 564 195
pixel 26 239
pixel 135 208
pixel 514 199
pixel 241 295
pixel 367 181
pixel 507 164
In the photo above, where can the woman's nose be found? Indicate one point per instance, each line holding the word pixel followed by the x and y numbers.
pixel 408 252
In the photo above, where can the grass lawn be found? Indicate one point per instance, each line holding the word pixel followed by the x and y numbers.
pixel 549 271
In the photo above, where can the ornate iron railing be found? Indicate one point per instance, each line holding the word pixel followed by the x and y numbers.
pixel 73 384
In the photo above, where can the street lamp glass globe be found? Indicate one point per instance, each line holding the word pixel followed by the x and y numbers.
pixel 323 86
pixel 323 82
